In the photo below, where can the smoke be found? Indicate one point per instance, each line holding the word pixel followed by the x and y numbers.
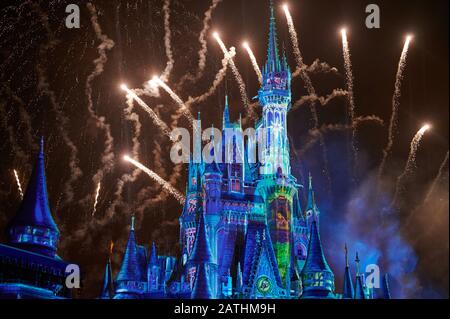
pixel 317 67
pixel 217 80
pixel 377 242
pixel 202 53
pixel 167 42
pixel 313 98
pixel 62 120
pixel 395 105
pixel 99 63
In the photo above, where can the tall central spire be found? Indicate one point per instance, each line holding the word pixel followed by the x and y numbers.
pixel 273 59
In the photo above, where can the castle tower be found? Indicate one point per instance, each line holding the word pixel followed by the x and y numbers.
pixel 317 277
pixel 312 211
pixel 275 99
pixel 202 262
pixel 153 271
pixel 347 292
pixel 129 281
pixel 33 227
pixel 277 186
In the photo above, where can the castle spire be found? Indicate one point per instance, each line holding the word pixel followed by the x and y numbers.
pixel 34 215
pixel 201 253
pixel 108 285
pixel 273 59
pixel 130 270
pixel 359 287
pixel 202 289
pixel 153 256
pixel 317 277
pixel 226 114
pixel 347 291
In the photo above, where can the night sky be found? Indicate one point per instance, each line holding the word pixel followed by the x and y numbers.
pixel 45 70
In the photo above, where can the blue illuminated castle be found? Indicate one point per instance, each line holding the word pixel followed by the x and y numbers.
pixel 29 265
pixel 243 231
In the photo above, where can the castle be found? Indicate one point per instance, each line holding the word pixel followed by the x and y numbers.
pixel 243 232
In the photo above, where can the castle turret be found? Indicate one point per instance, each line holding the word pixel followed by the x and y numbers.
pixel 312 211
pixel 359 286
pixel 317 277
pixel 128 282
pixel 202 261
pixel 153 271
pixel 275 99
pixel 347 292
pixel 33 227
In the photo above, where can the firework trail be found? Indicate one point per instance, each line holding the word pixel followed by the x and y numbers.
pixel 105 45
pixel 44 87
pixel 19 186
pixel 158 122
pixel 127 178
pixel 410 164
pixel 217 80
pixel 322 100
pixel 237 75
pixel 309 88
pixel 97 193
pixel 167 42
pixel 157 81
pixel 437 178
pixel 350 94
pixel 204 44
pixel 395 105
pixel 254 62
pixel 166 185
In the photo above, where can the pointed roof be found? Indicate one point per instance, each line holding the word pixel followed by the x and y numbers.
pixel 201 253
pixel 347 292
pixel 226 114
pixel 130 269
pixel 273 59
pixel 311 200
pixel 202 289
pixel 359 287
pixel 107 289
pixel 35 210
pixel 315 261
pixel 153 256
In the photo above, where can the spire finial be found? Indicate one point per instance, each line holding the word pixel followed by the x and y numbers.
pixel 132 221
pixel 41 146
pixel 346 255
pixel 310 180
pixel 273 61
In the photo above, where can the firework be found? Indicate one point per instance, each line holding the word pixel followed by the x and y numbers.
pixel 410 164
pixel 234 69
pixel 19 186
pixel 158 82
pixel 158 122
pixel 167 186
pixel 254 62
pixel 437 178
pixel 350 95
pixel 97 193
pixel 395 104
